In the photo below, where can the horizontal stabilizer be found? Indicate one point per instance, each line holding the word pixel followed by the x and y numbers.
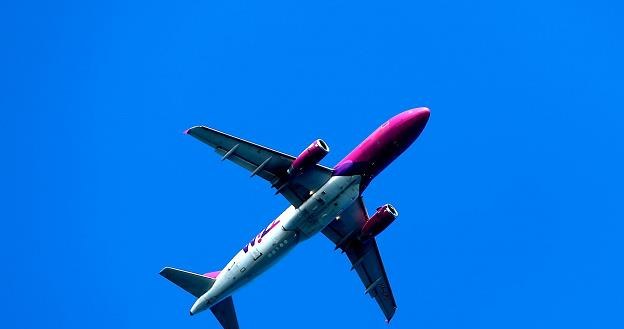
pixel 195 284
pixel 225 313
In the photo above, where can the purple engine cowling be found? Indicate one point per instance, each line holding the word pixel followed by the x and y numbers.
pixel 384 216
pixel 309 157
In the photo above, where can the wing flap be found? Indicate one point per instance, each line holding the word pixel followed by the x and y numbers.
pixel 243 159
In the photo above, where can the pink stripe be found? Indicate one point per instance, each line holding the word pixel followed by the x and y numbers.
pixel 212 275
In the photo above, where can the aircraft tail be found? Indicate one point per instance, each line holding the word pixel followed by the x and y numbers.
pixel 195 284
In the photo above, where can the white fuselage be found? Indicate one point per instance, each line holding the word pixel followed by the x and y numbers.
pixel 287 230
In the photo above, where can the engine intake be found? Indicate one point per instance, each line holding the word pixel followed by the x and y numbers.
pixel 309 157
pixel 384 216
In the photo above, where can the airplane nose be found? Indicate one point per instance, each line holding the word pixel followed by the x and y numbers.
pixel 417 118
pixel 421 115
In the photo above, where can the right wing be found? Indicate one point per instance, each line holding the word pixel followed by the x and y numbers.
pixel 363 254
pixel 266 163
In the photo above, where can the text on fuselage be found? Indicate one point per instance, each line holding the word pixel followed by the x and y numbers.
pixel 260 235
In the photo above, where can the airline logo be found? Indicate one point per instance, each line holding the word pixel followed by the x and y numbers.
pixel 260 235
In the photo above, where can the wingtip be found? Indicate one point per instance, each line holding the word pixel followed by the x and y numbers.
pixel 190 130
pixel 164 269
pixel 391 316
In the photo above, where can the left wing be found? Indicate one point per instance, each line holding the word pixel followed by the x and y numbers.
pixel 363 254
pixel 266 163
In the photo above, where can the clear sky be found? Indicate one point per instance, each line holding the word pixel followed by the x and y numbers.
pixel 510 201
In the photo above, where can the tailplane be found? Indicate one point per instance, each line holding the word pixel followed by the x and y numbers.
pixel 195 284
pixel 225 313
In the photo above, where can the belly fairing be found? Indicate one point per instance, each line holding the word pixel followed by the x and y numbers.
pixel 324 205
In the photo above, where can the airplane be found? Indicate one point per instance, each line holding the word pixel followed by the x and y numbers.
pixel 326 200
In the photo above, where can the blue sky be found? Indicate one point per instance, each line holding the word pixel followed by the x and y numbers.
pixel 510 201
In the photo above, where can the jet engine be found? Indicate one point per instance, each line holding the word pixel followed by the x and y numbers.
pixel 384 216
pixel 309 157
